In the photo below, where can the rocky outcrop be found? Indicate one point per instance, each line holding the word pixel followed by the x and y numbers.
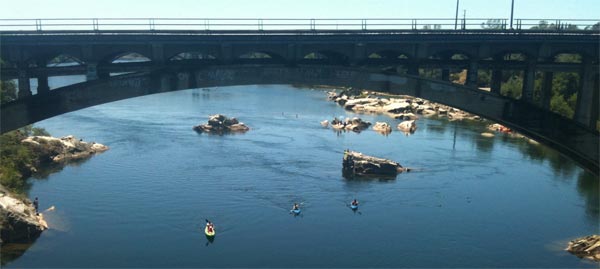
pixel 358 164
pixel 400 107
pixel 60 150
pixel 220 124
pixel 585 247
pixel 18 220
pixel 355 124
pixel 382 127
pixel 408 126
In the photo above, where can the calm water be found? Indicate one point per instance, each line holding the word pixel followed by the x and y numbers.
pixel 474 201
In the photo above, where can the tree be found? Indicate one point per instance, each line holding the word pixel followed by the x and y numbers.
pixel 8 91
pixel 594 27
pixel 493 24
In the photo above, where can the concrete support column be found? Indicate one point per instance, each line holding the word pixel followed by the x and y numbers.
pixel 360 54
pixel 291 57
pixel 596 103
pixel 24 85
pixel 42 77
pixel 528 81
pixel 43 83
pixel 158 54
pixel 91 72
pixel 583 110
pixel 445 74
pixel 413 69
pixel 226 53
pixel 547 90
pixel 472 73
pixel 496 83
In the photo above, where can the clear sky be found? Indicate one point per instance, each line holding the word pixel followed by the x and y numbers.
pixel 534 9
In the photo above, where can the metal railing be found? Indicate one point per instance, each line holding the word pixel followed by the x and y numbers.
pixel 280 24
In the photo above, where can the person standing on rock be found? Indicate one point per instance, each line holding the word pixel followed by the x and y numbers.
pixel 36 205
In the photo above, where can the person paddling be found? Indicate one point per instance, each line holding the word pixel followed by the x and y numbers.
pixel 354 202
pixel 210 227
pixel 295 207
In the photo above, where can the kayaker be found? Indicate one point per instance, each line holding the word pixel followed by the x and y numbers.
pixel 210 226
pixel 354 202
pixel 295 207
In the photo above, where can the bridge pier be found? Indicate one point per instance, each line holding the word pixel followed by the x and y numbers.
pixel 42 83
pixel 547 90
pixel 496 83
pixel 92 72
pixel 585 95
pixel 23 79
pixel 528 81
pixel 472 73
pixel 413 69
pixel 445 74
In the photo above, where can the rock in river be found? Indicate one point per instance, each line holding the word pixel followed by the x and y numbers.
pixel 358 164
pixel 586 247
pixel 219 124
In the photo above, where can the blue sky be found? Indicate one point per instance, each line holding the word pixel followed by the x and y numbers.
pixel 536 9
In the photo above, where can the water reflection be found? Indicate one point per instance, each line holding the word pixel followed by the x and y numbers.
pixel 588 186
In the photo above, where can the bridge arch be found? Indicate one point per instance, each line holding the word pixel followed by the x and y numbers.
pixel 262 57
pixel 192 56
pixel 64 59
pixel 521 116
pixel 128 56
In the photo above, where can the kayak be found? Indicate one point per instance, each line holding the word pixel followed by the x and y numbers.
pixel 209 233
pixel 353 206
pixel 295 211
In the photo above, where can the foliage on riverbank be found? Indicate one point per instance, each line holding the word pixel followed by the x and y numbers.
pixel 17 161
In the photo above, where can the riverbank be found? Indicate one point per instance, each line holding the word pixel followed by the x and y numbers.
pixel 25 156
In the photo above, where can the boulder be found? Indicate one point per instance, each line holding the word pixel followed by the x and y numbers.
pixel 585 247
pixel 382 127
pixel 357 164
pixel 408 126
pixel 220 124
pixel 356 124
pixel 59 150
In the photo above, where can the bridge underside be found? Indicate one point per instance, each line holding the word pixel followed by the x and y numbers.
pixel 568 137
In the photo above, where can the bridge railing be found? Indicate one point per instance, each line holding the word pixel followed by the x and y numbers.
pixel 281 24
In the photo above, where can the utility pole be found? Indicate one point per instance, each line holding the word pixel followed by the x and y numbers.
pixel 512 9
pixel 456 18
pixel 464 24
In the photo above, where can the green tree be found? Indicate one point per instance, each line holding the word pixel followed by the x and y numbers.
pixel 8 91
pixel 559 105
pixel 17 162
pixel 493 24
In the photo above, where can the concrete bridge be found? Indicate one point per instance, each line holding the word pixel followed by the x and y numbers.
pixel 352 58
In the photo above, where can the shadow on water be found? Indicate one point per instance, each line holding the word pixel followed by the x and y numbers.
pixel 350 176
pixel 13 251
pixel 588 186
pixel 210 239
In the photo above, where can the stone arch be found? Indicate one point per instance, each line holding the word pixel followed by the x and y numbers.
pixel 450 55
pixel 389 55
pixel 64 59
pixel 192 56
pixel 259 57
pixel 518 56
pixel 129 56
pixel 324 57
pixel 567 57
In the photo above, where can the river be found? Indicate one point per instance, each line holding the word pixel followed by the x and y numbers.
pixel 471 201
